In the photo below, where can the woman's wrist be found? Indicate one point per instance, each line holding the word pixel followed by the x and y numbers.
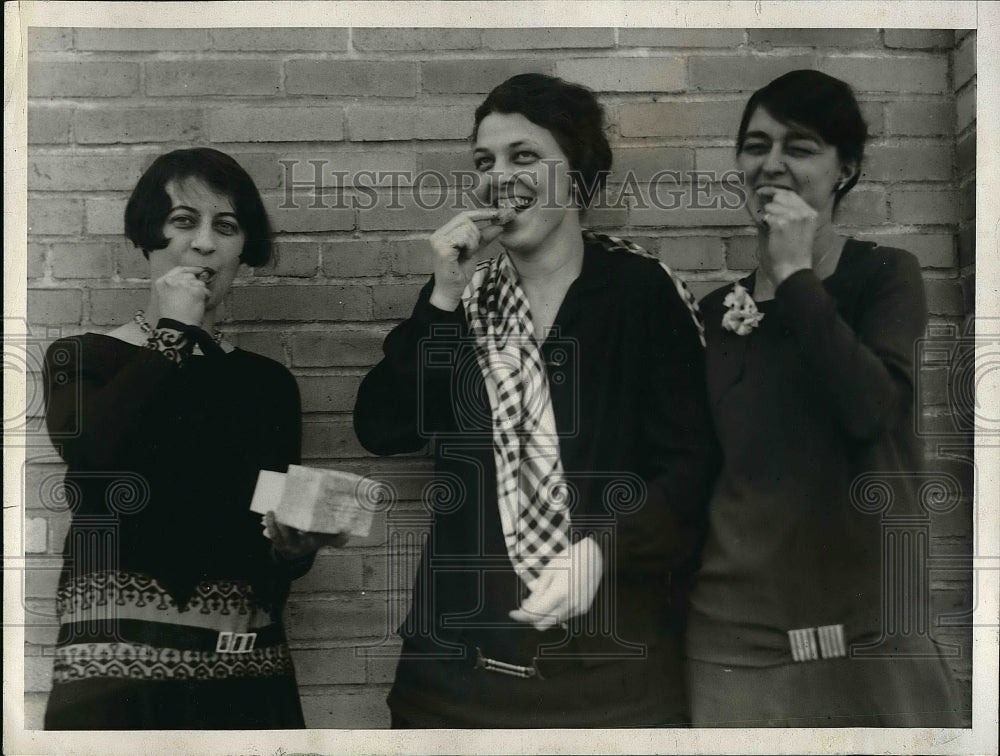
pixel 444 301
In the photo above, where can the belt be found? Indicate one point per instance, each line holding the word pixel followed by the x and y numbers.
pixel 814 643
pixel 169 635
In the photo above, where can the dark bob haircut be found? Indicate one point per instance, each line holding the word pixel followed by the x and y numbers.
pixel 820 103
pixel 149 205
pixel 570 112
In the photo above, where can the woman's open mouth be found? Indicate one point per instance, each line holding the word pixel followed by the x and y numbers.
pixel 515 203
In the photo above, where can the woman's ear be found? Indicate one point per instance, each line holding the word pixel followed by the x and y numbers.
pixel 848 170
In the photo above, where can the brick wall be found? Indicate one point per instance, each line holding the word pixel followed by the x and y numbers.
pixel 102 103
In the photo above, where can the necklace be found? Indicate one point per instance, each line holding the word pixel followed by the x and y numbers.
pixel 140 319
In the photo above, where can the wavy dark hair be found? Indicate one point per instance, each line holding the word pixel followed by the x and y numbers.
pixel 820 103
pixel 570 112
pixel 149 205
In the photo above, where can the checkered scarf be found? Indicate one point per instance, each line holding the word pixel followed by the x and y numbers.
pixel 531 489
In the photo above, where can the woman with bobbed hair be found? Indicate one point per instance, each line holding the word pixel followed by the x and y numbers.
pixel 811 383
pixel 170 599
pixel 562 383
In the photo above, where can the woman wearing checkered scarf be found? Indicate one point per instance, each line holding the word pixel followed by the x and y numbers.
pixel 561 382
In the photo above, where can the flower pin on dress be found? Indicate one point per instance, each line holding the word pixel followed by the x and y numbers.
pixel 742 316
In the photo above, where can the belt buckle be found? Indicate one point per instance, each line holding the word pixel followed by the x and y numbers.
pixel 814 643
pixel 505 668
pixel 235 643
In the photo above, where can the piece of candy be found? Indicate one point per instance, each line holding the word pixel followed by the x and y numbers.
pixel 505 216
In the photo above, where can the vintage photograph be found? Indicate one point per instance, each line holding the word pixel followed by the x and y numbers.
pixel 552 377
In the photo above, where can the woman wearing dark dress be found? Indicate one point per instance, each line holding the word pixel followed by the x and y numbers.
pixel 170 598
pixel 810 375
pixel 562 383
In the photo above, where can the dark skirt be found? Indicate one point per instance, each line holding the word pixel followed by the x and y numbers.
pixel 841 692
pixel 270 703
pixel 455 694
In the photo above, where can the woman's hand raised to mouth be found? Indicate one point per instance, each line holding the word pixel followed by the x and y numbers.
pixel 182 295
pixel 454 246
pixel 790 229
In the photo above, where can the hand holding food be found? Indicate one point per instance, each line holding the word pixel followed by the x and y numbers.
pixel 454 246
pixel 790 229
pixel 182 293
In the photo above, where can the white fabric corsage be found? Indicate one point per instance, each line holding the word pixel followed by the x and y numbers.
pixel 742 315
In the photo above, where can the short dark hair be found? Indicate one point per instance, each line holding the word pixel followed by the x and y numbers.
pixel 820 103
pixel 149 205
pixel 573 115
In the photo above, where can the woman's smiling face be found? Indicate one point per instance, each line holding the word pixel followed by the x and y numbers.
pixel 527 171
pixel 776 155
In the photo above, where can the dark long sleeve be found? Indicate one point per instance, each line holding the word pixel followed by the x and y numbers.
pixel 867 368
pixel 93 417
pixel 407 396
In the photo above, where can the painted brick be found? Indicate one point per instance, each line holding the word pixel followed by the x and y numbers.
pixel 412 257
pixel 42 38
pixel 328 393
pixel 864 207
pixel 263 167
pixel 37 673
pixel 292 259
pixel 680 37
pixel 355 258
pixel 965 154
pixel 55 306
pixel 36 260
pixel 896 74
pixel 695 119
pixel 382 668
pixel 645 162
pixel 395 569
pixel 741 73
pixel 944 297
pixel 116 306
pixel 105 216
pixel 41 623
pixel 66 173
pixel 338 618
pixel 80 260
pixel 309 303
pixel 476 76
pixel 415 39
pixel 35 535
pixel 625 74
pixel 306 219
pixel 908 161
pixel 965 108
pixel 925 206
pixel 920 118
pixel 702 289
pixel 552 38
pixel 327 439
pixel 683 205
pixel 853 38
pixel 967 245
pixel 447 163
pixel 142 40
pixel 328 666
pixel 341 570
pixel 341 710
pixel 718 160
pixel 285 124
pixel 692 252
pixel 57 216
pixel 212 77
pixel 41 577
pixel 330 39
pixel 963 61
pixel 414 211
pixel 80 78
pixel 919 39
pixel 136 125
pixel 266 343
pixel 372 124
pixel 395 301
pixel 932 250
pixel 337 348
pixel 48 125
pixel 360 78
pixel 741 253
pixel 874 115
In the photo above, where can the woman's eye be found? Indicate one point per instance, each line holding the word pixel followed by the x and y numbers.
pixel 227 227
pixel 483 163
pixel 799 150
pixel 755 148
pixel 182 221
pixel 524 156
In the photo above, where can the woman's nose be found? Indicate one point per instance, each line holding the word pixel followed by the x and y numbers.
pixel 204 239
pixel 774 162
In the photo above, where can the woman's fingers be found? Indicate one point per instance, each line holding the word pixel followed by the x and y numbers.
pixel 548 604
